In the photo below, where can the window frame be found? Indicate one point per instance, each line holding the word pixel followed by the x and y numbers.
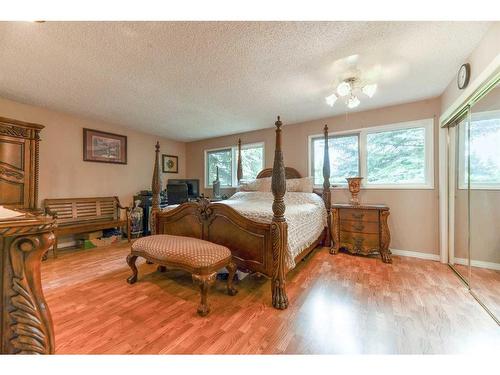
pixel 427 124
pixel 234 162
pixel 461 184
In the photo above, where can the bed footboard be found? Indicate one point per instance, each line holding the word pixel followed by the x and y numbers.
pixel 249 241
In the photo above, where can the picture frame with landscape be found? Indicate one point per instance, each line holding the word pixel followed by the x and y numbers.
pixel 104 147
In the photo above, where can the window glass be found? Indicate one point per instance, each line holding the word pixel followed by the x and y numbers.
pixel 484 155
pixel 252 161
pixel 344 158
pixel 223 160
pixel 396 157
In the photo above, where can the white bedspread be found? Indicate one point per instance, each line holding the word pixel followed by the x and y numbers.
pixel 305 214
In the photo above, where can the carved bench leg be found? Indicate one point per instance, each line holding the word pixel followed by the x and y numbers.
pixel 231 267
pixel 204 281
pixel 131 258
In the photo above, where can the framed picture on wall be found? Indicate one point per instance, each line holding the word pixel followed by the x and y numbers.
pixel 104 147
pixel 170 164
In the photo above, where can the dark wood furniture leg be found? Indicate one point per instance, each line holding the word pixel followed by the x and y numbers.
pixel 231 267
pixel 204 282
pixel 131 263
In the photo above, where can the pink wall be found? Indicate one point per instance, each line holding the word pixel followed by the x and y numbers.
pixel 414 213
pixel 63 173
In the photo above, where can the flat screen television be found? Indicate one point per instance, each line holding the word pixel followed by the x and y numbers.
pixel 192 184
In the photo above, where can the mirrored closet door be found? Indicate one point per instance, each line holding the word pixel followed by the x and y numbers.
pixel 474 198
pixel 484 200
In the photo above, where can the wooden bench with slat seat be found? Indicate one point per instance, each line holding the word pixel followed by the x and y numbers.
pixel 84 215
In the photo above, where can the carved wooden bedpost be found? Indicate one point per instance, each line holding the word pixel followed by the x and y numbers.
pixel 279 227
pixel 239 173
pixel 156 188
pixel 327 195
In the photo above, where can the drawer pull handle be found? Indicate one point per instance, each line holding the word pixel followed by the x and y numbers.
pixel 358 226
pixel 358 216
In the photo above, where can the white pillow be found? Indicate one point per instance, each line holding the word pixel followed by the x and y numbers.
pixel 258 184
pixel 300 185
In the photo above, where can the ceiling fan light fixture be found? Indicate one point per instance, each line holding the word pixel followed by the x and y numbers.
pixel 369 90
pixel 330 100
pixel 353 102
pixel 344 88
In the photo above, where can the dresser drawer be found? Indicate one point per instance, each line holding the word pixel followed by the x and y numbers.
pixel 358 214
pixel 368 241
pixel 359 226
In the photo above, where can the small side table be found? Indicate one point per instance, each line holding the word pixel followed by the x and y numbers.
pixel 361 229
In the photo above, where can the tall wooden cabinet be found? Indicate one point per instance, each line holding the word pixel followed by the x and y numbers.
pixel 19 163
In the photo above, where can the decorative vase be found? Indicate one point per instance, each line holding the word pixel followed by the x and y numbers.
pixel 216 185
pixel 354 188
pixel 136 216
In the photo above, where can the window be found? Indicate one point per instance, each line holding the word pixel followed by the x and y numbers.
pixel 252 160
pixel 392 156
pixel 223 160
pixel 344 158
pixel 484 138
pixel 396 157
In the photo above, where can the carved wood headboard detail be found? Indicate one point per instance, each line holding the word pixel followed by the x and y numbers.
pixel 289 173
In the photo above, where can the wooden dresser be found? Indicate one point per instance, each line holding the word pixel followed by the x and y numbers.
pixel 19 160
pixel 361 229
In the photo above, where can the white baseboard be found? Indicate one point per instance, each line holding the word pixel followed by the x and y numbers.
pixel 416 254
pixel 478 263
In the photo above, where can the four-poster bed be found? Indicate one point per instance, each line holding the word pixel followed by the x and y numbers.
pixel 256 246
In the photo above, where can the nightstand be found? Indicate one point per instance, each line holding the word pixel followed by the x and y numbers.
pixel 361 229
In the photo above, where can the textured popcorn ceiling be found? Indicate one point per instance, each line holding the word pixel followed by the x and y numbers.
pixel 193 80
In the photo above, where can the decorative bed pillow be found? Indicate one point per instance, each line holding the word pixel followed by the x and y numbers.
pixel 258 184
pixel 300 185
pixel 248 185
pixel 264 184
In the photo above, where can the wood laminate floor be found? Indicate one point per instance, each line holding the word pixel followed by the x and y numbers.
pixel 338 304
pixel 485 283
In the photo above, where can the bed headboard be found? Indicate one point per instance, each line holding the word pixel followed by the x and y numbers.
pixel 289 173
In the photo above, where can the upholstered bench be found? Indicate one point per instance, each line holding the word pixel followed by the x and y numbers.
pixel 200 258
